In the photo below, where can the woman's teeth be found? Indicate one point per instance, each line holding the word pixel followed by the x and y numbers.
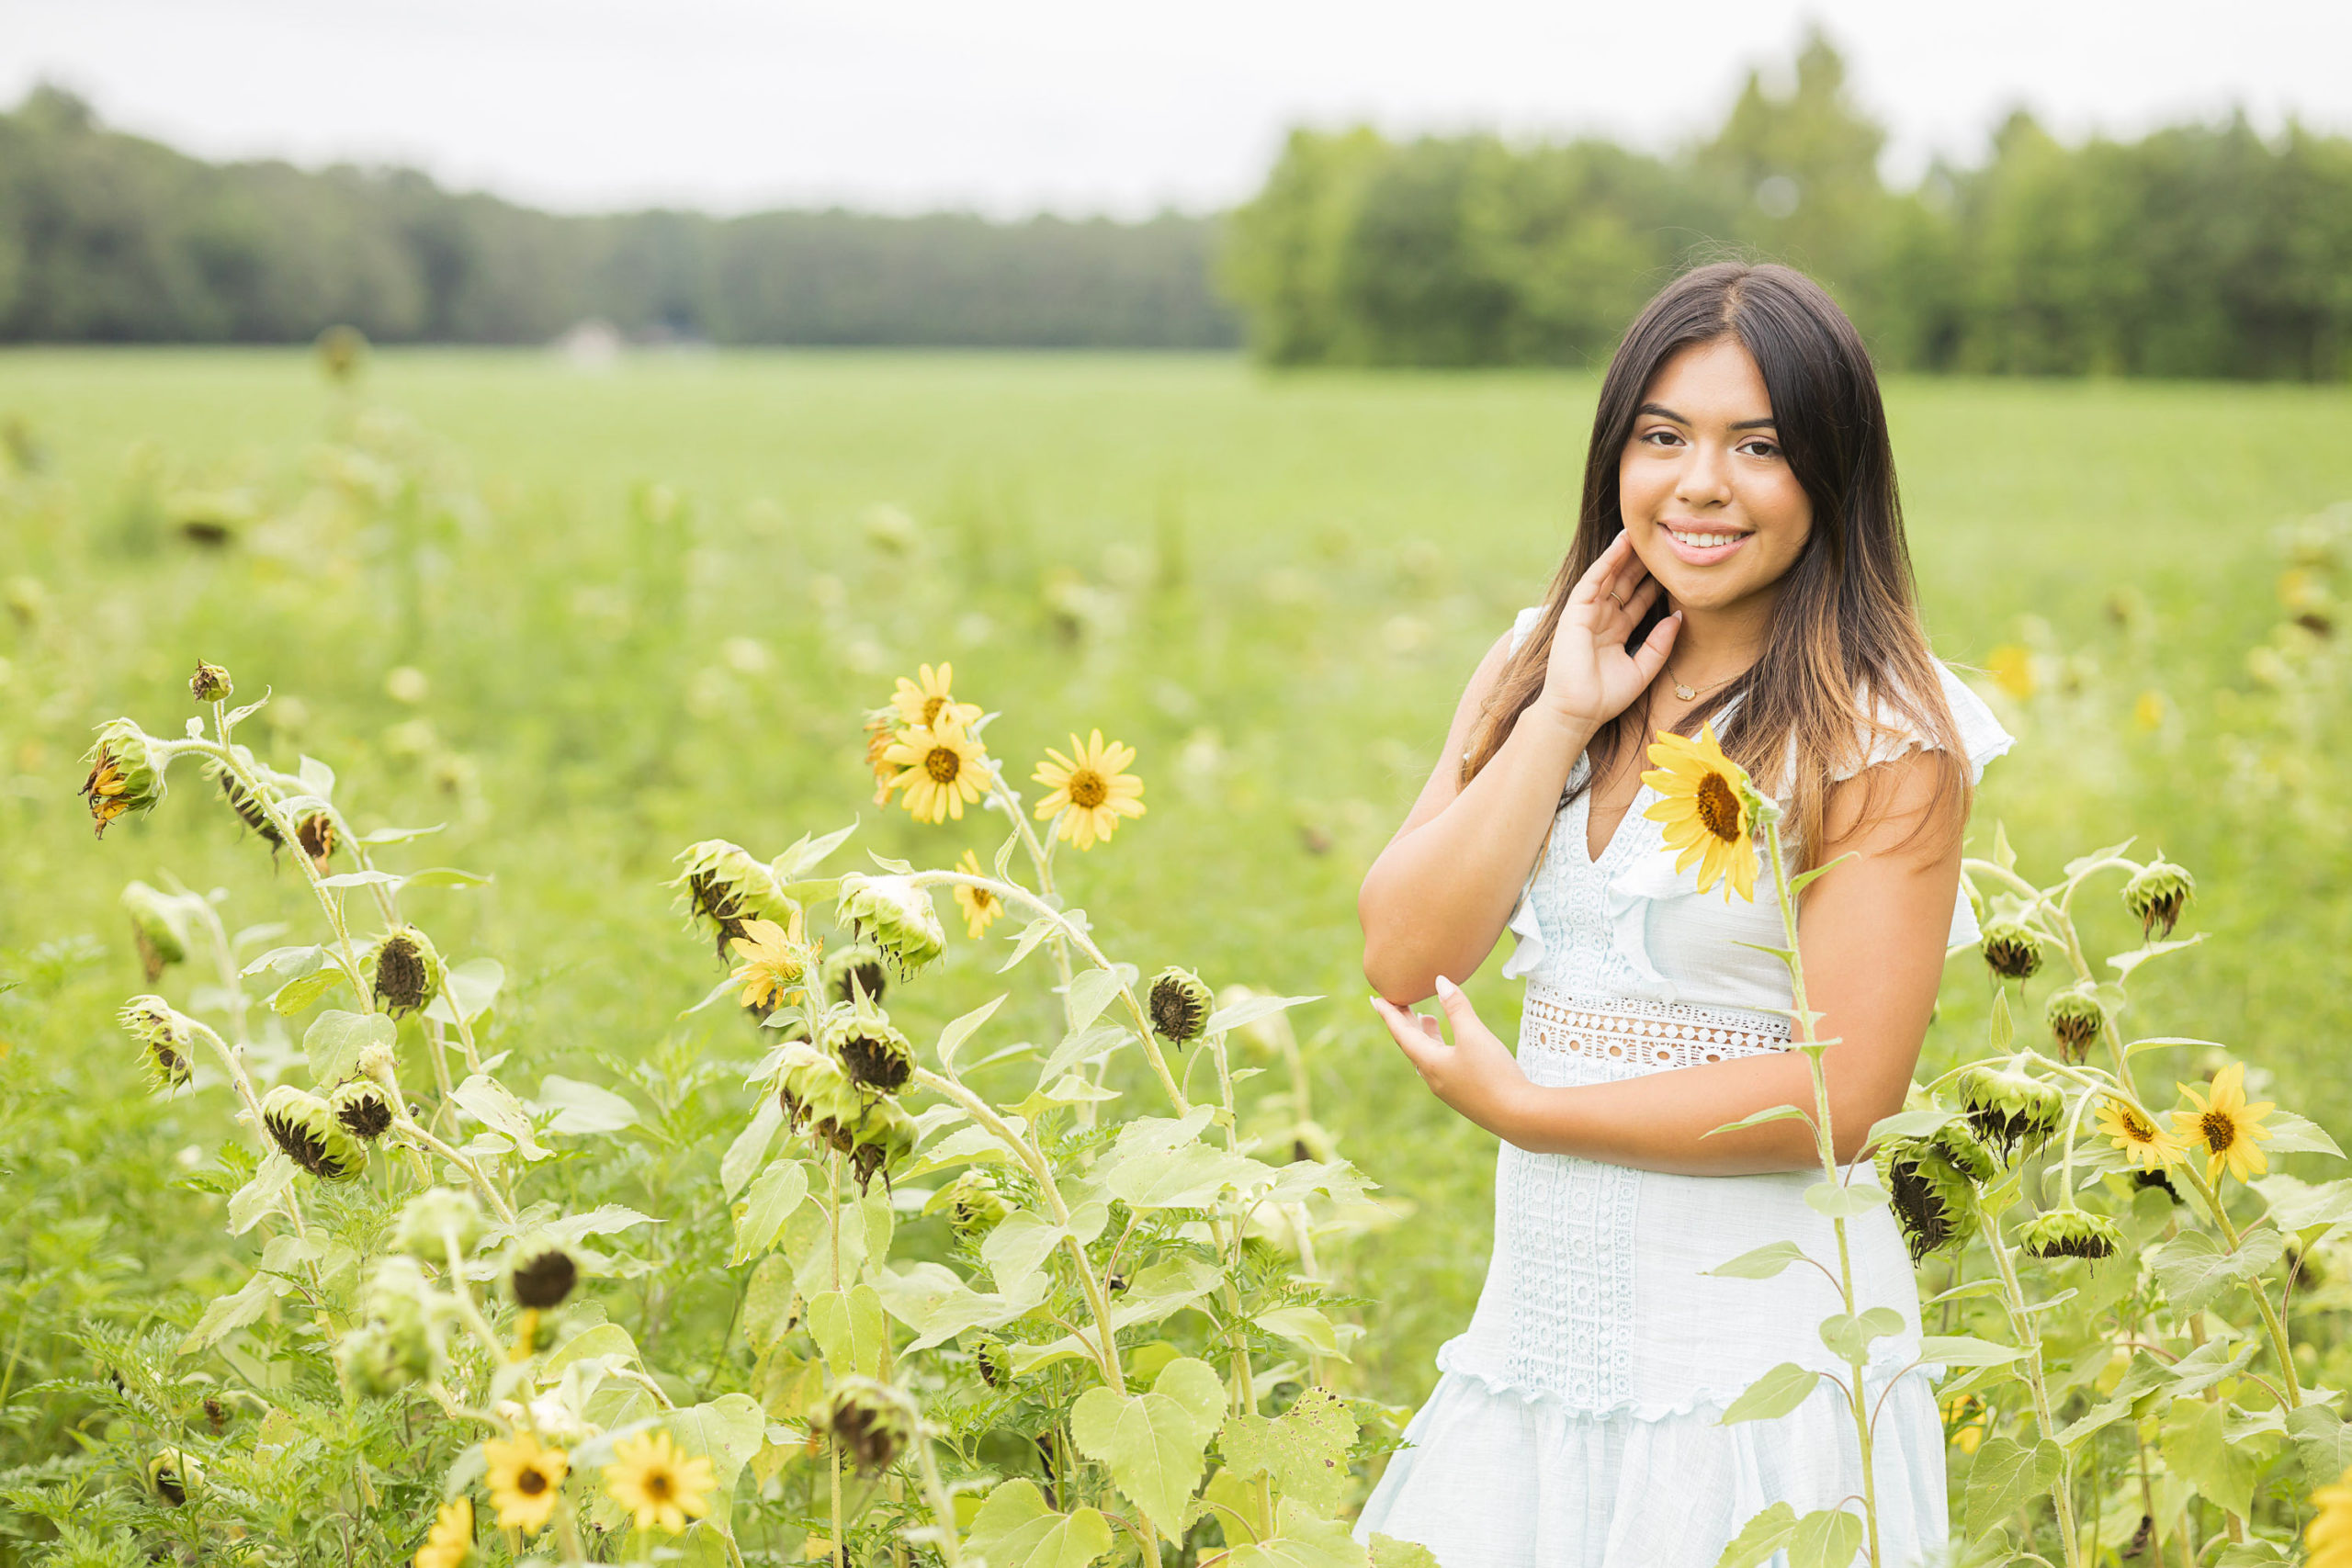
pixel 1704 541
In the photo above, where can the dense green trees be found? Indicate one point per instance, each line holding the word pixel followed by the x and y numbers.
pixel 2197 251
pixel 106 237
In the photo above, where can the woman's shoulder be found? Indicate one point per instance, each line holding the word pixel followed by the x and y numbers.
pixel 1894 731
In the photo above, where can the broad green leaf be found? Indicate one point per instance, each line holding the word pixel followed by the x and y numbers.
pixel 952 1038
pixel 1032 934
pixel 779 1190
pixel 767 1303
pixel 490 1102
pixel 1303 1179
pixel 2124 962
pixel 1190 1177
pixel 469 990
pixel 287 962
pixel 257 1197
pixel 1301 1540
pixel 969 1146
pixel 227 1314
pixel 1910 1124
pixel 398 835
pixel 1083 1045
pixel 1152 1443
pixel 2299 1205
pixel 591 1343
pixel 445 876
pixel 1760 1537
pixel 1826 1538
pixel 1303 1326
pixel 1840 1201
pixel 1849 1335
pixel 2323 1442
pixel 751 1146
pixel 1223 1021
pixel 2197 1445
pixel 807 853
pixel 332 1043
pixel 808 1240
pixel 2004 1028
pixel 1762 1263
pixel 605 1219
pixel 1022 1240
pixel 1016 1529
pixel 2003 1475
pixel 930 1299
pixel 1757 1118
pixel 360 879
pixel 583 1107
pixel 299 994
pixel 2003 855
pixel 317 778
pixel 849 1330
pixel 1090 992
pixel 727 1431
pixel 1775 1394
pixel 2194 1268
pixel 2293 1134
pixel 2082 863
pixel 1304 1450
pixel 1964 1351
pixel 1154 1293
pixel 1388 1551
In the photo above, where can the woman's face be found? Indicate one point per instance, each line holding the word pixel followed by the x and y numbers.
pixel 1710 505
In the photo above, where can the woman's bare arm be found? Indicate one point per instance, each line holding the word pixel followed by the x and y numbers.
pixel 1872 936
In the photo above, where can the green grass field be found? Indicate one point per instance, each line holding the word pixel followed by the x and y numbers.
pixel 1271 586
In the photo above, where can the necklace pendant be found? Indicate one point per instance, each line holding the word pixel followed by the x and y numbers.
pixel 1683 691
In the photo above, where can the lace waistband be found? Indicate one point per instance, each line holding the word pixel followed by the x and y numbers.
pixel 1656 1035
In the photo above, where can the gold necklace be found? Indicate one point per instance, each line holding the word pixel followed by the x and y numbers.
pixel 1687 693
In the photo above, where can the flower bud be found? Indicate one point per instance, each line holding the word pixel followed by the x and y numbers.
pixel 210 684
pixel 2010 1111
pixel 1180 1006
pixel 2074 1019
pixel 405 969
pixel 125 774
pixel 2069 1232
pixel 973 1204
pixel 2157 894
pixel 874 1055
pixel 434 1215
pixel 2011 948
pixel 543 1280
pixel 172 1474
pixel 158 926
pixel 362 1108
pixel 856 968
pixel 167 1035
pixel 725 887
pixel 302 1125
pixel 870 1421
pixel 894 914
pixel 1934 1202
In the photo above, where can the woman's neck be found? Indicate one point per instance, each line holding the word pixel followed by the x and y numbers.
pixel 1724 641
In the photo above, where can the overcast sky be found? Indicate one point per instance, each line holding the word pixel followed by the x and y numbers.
pixel 1087 105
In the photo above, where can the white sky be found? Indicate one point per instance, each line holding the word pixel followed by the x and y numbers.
pixel 1084 105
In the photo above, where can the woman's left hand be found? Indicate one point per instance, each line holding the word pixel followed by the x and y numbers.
pixel 1477 1074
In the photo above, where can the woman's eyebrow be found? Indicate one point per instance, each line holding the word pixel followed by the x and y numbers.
pixel 1664 412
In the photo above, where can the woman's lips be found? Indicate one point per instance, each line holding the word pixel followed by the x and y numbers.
pixel 1700 555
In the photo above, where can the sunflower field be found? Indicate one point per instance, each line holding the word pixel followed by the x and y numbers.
pixel 752 959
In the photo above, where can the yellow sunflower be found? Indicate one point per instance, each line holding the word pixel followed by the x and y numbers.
pixel 2150 1145
pixel 1705 815
pixel 980 907
pixel 2012 669
pixel 928 704
pixel 777 962
pixel 941 768
pixel 106 789
pixel 1090 789
pixel 525 1478
pixel 659 1484
pixel 2329 1537
pixel 2225 1125
pixel 451 1539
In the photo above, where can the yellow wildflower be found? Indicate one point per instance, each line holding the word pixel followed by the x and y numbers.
pixel 1090 789
pixel 943 768
pixel 525 1479
pixel 980 907
pixel 658 1483
pixel 777 962
pixel 1704 810
pixel 2329 1537
pixel 927 704
pixel 2148 1145
pixel 451 1539
pixel 2225 1125
pixel 2012 668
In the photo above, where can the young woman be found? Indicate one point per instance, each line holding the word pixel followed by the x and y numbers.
pixel 1738 562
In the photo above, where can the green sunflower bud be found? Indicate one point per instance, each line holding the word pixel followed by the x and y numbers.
pixel 542 1281
pixel 854 969
pixel 405 969
pixel 172 1474
pixel 248 809
pixel 2011 948
pixel 874 1053
pixel 432 1216
pixel 210 684
pixel 723 887
pixel 159 926
pixel 362 1108
pixel 973 1204
pixel 1179 1005
pixel 301 1124
pixel 2010 1111
pixel 1934 1202
pixel 126 772
pixel 870 1421
pixel 2157 894
pixel 168 1037
pixel 2069 1232
pixel 894 914
pixel 2074 1018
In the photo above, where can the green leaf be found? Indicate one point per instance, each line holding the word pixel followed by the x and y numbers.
pixel 2124 962
pixel 1303 1326
pixel 2197 1446
pixel 1388 1551
pixel 849 1330
pixel 1762 1263
pixel 2194 1268
pixel 1774 1394
pixel 490 1102
pixel 1757 1118
pixel 2003 855
pixel 469 990
pixel 1024 1240
pixel 360 879
pixel 1304 1450
pixel 751 1146
pixel 1032 934
pixel 1223 1021
pixel 332 1043
pixel 1909 1124
pixel 1839 1201
pixel 1760 1537
pixel 1016 1529
pixel 224 1314
pixel 445 876
pixel 2082 863
pixel 1849 1335
pixel 2323 1442
pixel 807 853
pixel 1301 1540
pixel 287 962
pixel 583 1107
pixel 2004 1475
pixel 2300 1206
pixel 952 1038
pixel 1189 1177
pixel 773 1196
pixel 398 835
pixel 2004 1029
pixel 1964 1351
pixel 1090 992
pixel 1083 1045
pixel 930 1300
pixel 257 1197
pixel 1153 1443
pixel 300 993
pixel 2293 1134
pixel 1828 1538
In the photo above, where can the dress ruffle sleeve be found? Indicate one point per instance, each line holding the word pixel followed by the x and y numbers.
pixel 1982 739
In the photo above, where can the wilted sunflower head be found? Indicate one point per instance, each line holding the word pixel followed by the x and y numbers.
pixel 316 833
pixel 812 1087
pixel 992 1361
pixel 2074 1019
pixel 2011 1111
pixel 433 1219
pixel 2157 894
pixel 872 1051
pixel 362 1108
pixel 172 1474
pixel 1963 1151
pixel 2069 1232
pixel 2158 1178
pixel 870 1421
pixel 405 969
pixel 126 772
pixel 1934 1202
pixel 544 1280
pixel 159 927
pixel 2011 949
pixel 167 1036
pixel 972 1202
pixel 305 1129
pixel 1179 1005
pixel 893 915
pixel 210 684
pixel 854 969
pixel 724 888
pixel 248 809
pixel 884 1135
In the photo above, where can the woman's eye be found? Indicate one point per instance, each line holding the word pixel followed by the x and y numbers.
pixel 1760 448
pixel 1659 437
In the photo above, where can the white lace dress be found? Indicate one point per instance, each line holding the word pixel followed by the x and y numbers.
pixel 1574 1423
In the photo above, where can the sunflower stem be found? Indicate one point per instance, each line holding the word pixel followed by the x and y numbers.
pixel 404 1123
pixel 2021 1321
pixel 2281 1351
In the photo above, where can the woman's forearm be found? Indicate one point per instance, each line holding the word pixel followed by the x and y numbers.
pixel 1436 900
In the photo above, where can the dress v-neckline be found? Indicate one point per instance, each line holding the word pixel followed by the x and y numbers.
pixel 1583 825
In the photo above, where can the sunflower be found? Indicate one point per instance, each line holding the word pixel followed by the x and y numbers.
pixel 777 962
pixel 980 907
pixel 942 766
pixel 2149 1145
pixel 658 1483
pixel 451 1539
pixel 2225 1125
pixel 525 1478
pixel 924 705
pixel 1090 789
pixel 2329 1537
pixel 1704 811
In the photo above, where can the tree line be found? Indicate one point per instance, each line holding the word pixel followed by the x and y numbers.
pixel 2197 251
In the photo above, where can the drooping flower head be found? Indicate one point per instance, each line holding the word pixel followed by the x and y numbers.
pixel 773 961
pixel 1704 810
pixel 316 833
pixel 2069 1232
pixel 302 1126
pixel 930 700
pixel 248 809
pixel 399 1342
pixel 872 1051
pixel 2010 1110
pixel 1179 1005
pixel 124 775
pixel 1089 790
pixel 167 1036
pixel 992 1361
pixel 894 914
pixel 525 1478
pixel 2010 949
pixel 1934 1202
pixel 855 971
pixel 2150 1146
pixel 723 887
pixel 2074 1018
pixel 2224 1126
pixel 405 969
pixel 451 1539
pixel 2156 893
pixel 980 905
pixel 362 1108
pixel 172 1475
pixel 159 927
pixel 542 1281
pixel 972 1202
pixel 658 1483
pixel 870 1421
pixel 434 1220
pixel 939 769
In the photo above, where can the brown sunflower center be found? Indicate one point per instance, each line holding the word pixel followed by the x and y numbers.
pixel 942 763
pixel 530 1482
pixel 1087 789
pixel 2219 1129
pixel 657 1486
pixel 1719 807
pixel 2136 1127
pixel 931 706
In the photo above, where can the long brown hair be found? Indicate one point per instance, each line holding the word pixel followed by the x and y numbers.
pixel 1846 662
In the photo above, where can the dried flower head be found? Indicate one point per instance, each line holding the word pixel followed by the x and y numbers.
pixel 126 773
pixel 2011 949
pixel 362 1108
pixel 856 970
pixel 302 1126
pixel 883 1137
pixel 1179 1005
pixel 248 809
pixel 159 927
pixel 2011 1111
pixel 2074 1018
pixel 990 1360
pixel 2157 894
pixel 317 836
pixel 544 1280
pixel 1934 1202
pixel 2069 1232
pixel 167 1035
pixel 872 1051
pixel 871 1422
pixel 724 888
pixel 404 969
pixel 1963 1151
pixel 210 684
pixel 893 915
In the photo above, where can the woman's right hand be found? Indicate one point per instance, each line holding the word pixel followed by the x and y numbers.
pixel 1591 679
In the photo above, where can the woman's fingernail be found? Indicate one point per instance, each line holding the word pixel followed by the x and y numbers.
pixel 1445 985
